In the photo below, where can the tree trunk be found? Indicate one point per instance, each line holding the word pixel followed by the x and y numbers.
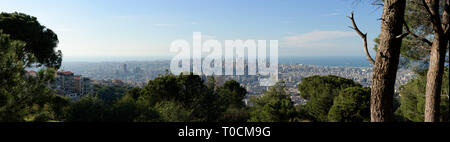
pixel 387 59
pixel 437 61
pixel 434 78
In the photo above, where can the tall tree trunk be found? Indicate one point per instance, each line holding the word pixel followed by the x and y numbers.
pixel 387 59
pixel 434 78
pixel 437 60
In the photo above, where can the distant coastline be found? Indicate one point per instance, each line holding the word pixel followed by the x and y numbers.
pixel 349 61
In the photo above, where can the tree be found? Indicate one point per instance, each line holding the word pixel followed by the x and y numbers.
pixel 412 99
pixel 22 96
pixel 230 100
pixel 387 59
pixel 183 98
pixel 232 93
pixel 41 102
pixel 171 111
pixel 146 111
pixel 437 57
pixel 40 40
pixel 134 93
pixel 124 110
pixel 352 105
pixel 11 72
pixel 235 114
pixel 58 106
pixel 320 91
pixel 187 90
pixel 87 109
pixel 110 94
pixel 24 42
pixel 274 106
pixel 417 48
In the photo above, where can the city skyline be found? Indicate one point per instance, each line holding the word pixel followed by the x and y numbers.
pixel 137 74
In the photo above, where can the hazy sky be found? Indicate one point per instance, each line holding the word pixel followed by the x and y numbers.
pixel 148 27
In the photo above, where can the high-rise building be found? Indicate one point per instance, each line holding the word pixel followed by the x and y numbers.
pixel 125 70
pixel 65 81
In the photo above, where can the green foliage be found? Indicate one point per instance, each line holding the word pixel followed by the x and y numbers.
pixel 415 51
pixel 235 114
pixel 168 98
pixel 412 48
pixel 22 96
pixel 230 100
pixel 146 111
pixel 188 90
pixel 134 93
pixel 110 94
pixel 11 72
pixel 87 109
pixel 40 40
pixel 24 42
pixel 352 105
pixel 231 93
pixel 312 86
pixel 170 111
pixel 412 98
pixel 183 98
pixel 274 106
pixel 320 91
pixel 58 106
pixel 127 109
pixel 124 110
pixel 303 114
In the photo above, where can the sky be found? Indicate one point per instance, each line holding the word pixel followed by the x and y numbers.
pixel 141 28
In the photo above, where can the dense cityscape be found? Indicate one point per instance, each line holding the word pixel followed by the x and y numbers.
pixel 137 74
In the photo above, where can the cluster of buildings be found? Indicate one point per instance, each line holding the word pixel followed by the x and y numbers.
pixel 137 74
pixel 133 74
pixel 292 75
pixel 68 84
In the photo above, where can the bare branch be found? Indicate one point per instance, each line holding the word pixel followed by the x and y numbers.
pixel 364 37
pixel 378 3
pixel 402 35
pixel 416 36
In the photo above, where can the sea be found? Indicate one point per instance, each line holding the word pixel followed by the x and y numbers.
pixel 348 61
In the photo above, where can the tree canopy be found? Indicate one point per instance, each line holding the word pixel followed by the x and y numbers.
pixel 24 97
pixel 352 105
pixel 40 41
pixel 412 99
pixel 320 91
pixel 274 106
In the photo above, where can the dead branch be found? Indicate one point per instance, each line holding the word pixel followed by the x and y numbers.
pixel 364 37
pixel 415 35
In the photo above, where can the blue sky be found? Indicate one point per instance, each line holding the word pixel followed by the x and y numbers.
pixel 148 27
